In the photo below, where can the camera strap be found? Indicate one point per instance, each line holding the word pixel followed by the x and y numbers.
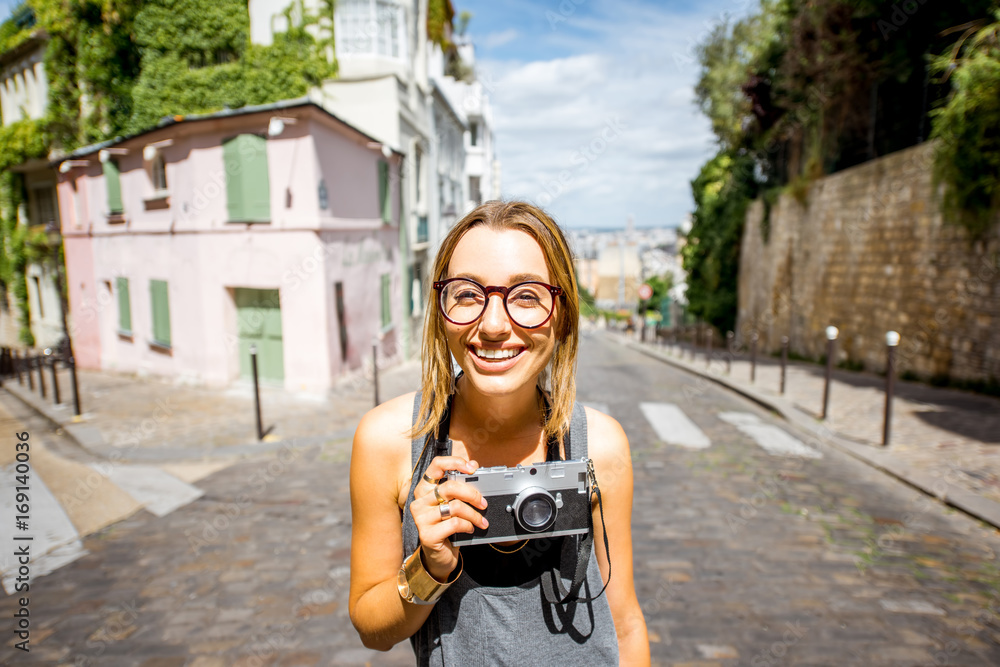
pixel 553 582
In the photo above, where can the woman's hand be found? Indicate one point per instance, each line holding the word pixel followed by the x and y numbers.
pixel 436 526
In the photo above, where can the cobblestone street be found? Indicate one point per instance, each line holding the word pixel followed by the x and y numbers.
pixel 742 556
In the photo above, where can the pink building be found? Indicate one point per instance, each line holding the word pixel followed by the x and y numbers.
pixel 274 226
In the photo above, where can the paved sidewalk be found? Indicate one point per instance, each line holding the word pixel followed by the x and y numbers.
pixel 945 442
pixel 153 419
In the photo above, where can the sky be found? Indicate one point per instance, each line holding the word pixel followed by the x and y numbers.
pixel 593 103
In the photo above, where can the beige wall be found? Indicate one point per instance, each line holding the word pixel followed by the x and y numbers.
pixel 868 253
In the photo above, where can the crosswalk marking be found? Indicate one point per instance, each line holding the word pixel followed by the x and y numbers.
pixel 55 541
pixel 673 426
pixel 771 438
pixel 159 491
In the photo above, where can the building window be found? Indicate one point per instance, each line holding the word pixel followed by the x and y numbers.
pixel 384 191
pixel 161 312
pixel 158 174
pixel 38 291
pixel 43 203
pixel 124 307
pixel 112 180
pixel 474 133
pixel 475 192
pixel 386 303
pixel 370 27
pixel 248 188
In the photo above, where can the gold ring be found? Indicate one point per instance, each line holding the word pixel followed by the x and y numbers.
pixel 445 510
pixel 431 480
pixel 441 499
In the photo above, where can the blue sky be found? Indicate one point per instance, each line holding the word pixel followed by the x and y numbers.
pixel 593 103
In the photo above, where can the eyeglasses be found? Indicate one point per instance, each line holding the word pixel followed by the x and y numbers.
pixel 529 305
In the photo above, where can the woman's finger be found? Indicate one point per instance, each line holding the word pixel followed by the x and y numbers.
pixel 440 465
pixel 441 513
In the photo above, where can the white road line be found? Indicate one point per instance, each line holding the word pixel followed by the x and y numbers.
pixel 159 491
pixel 55 540
pixel 772 439
pixel 673 426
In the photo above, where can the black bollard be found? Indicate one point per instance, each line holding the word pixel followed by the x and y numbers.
pixel 891 340
pixel 831 340
pixel 55 379
pixel 18 367
pixel 784 361
pixel 73 383
pixel 256 391
pixel 28 369
pixel 40 365
pixel 730 340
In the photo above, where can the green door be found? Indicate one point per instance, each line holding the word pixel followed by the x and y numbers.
pixel 258 322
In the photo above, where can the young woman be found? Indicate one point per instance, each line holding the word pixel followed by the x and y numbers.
pixel 505 307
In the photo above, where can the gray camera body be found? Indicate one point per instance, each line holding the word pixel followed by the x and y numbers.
pixel 531 501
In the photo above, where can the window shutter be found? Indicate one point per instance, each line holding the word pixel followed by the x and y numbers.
pixel 256 184
pixel 161 311
pixel 234 180
pixel 112 179
pixel 383 191
pixel 124 307
pixel 386 309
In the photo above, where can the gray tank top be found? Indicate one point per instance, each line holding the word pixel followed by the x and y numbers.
pixel 482 625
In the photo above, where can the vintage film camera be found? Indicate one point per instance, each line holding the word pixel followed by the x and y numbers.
pixel 538 500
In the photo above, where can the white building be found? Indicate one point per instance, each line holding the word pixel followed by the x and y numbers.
pixel 24 94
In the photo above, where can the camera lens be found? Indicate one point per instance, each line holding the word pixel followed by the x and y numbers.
pixel 535 509
pixel 536 512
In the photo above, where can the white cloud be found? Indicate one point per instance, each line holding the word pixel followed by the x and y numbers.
pixel 495 39
pixel 612 131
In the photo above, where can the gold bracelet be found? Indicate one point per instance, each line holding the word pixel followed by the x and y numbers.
pixel 417 585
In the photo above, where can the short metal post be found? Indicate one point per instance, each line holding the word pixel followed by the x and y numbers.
pixel 831 341
pixel 892 340
pixel 730 339
pixel 73 383
pixel 28 369
pixel 375 368
pixel 55 378
pixel 753 357
pixel 708 347
pixel 256 391
pixel 18 367
pixel 41 376
pixel 784 361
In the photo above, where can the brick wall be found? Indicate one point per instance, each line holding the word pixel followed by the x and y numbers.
pixel 869 252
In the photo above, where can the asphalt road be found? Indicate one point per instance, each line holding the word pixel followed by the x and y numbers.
pixel 753 546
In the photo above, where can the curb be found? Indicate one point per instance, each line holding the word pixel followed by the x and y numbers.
pixel 971 503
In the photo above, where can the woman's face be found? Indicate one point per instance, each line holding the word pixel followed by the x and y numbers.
pixel 502 258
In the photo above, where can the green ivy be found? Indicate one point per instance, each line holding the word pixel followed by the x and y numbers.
pixel 967 155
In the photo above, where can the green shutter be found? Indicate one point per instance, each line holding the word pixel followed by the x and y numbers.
pixel 161 311
pixel 248 187
pixel 124 307
pixel 386 308
pixel 384 197
pixel 112 178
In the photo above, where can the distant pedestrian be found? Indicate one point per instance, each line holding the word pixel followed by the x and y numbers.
pixel 505 306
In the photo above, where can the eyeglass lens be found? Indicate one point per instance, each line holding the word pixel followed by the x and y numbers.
pixel 528 304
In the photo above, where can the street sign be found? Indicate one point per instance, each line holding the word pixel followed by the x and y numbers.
pixel 645 291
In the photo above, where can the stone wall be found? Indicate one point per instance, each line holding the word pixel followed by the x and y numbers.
pixel 869 252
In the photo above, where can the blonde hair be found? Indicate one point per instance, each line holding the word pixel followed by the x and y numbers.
pixel 438 378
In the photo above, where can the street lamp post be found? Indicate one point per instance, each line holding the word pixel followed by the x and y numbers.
pixel 55 239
